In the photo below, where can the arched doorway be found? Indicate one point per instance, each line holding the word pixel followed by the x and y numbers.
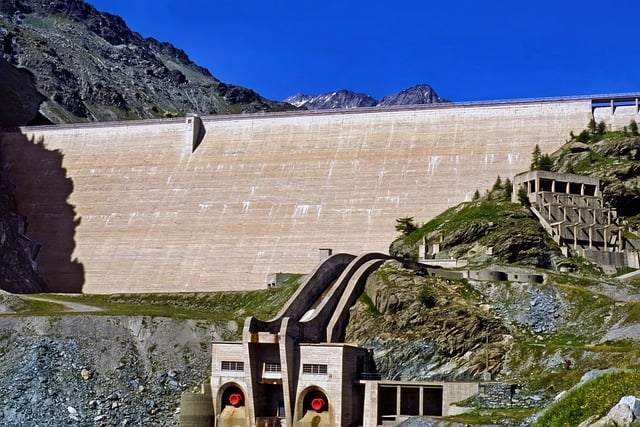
pixel 232 407
pixel 313 409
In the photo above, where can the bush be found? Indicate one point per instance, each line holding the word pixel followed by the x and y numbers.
pixel 523 197
pixel 545 163
pixel 426 297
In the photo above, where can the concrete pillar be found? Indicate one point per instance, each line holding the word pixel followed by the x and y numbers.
pixel 398 400
pixel 194 132
pixel 421 402
pixel 196 410
pixel 370 416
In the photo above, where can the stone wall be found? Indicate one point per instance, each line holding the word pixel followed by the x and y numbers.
pixel 138 209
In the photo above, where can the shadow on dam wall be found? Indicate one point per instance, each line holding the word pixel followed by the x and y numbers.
pixel 42 190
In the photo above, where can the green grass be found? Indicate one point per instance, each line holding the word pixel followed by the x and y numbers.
pixel 464 214
pixel 595 397
pixel 492 416
pixel 364 298
pixel 218 306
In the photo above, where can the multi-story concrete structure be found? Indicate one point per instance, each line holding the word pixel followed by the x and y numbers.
pixel 296 371
pixel 571 208
pixel 202 205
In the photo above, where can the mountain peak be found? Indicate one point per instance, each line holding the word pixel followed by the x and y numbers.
pixel 418 94
pixel 345 99
pixel 331 100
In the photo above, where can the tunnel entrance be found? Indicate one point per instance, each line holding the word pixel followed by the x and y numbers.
pixel 315 409
pixel 234 413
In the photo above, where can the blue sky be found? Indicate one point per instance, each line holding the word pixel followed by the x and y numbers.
pixel 467 50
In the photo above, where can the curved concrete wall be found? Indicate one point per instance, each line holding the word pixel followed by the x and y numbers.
pixel 261 194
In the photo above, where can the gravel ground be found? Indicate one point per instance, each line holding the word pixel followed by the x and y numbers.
pixel 84 370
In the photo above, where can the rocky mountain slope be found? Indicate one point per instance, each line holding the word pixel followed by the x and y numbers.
pixel 100 370
pixel 419 94
pixel 89 66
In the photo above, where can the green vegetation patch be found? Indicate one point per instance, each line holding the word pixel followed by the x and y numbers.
pixel 594 397
pixel 493 416
pixel 216 306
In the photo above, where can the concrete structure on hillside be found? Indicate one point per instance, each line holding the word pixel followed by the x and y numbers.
pixel 571 208
pixel 295 370
pixel 207 204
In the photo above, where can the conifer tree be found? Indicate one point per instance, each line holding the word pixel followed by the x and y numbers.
pixel 535 158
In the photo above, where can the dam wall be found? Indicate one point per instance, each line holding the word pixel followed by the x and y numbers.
pixel 171 206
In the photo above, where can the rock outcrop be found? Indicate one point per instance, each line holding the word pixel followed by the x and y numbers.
pixel 615 159
pixel 425 328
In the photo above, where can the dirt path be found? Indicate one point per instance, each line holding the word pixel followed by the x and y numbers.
pixel 73 307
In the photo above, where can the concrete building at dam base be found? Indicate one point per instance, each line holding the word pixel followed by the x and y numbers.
pixel 227 202
pixel 296 370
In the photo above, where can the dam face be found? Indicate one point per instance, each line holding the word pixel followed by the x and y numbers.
pixel 136 208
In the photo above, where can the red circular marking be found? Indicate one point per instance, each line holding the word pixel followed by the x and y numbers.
pixel 317 404
pixel 235 399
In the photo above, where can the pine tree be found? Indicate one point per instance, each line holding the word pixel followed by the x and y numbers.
pixel 497 185
pixel 406 225
pixel 508 188
pixel 535 158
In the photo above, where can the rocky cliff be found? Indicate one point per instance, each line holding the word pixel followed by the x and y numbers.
pixel 89 66
pixel 426 328
pixel 419 94
pixel 18 271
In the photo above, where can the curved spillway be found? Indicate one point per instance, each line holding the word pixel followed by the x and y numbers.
pixel 307 294
pixel 332 308
pixel 320 306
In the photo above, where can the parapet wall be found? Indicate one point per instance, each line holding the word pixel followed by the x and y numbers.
pixel 260 194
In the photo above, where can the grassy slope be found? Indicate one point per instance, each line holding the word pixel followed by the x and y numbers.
pixel 217 306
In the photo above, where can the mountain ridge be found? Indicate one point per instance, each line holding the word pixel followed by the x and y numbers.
pixel 419 94
pixel 89 66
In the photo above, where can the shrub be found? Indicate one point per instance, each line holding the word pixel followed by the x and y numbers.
pixel 545 163
pixel 426 297
pixel 523 197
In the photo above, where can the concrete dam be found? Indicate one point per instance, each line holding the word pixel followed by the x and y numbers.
pixel 218 203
